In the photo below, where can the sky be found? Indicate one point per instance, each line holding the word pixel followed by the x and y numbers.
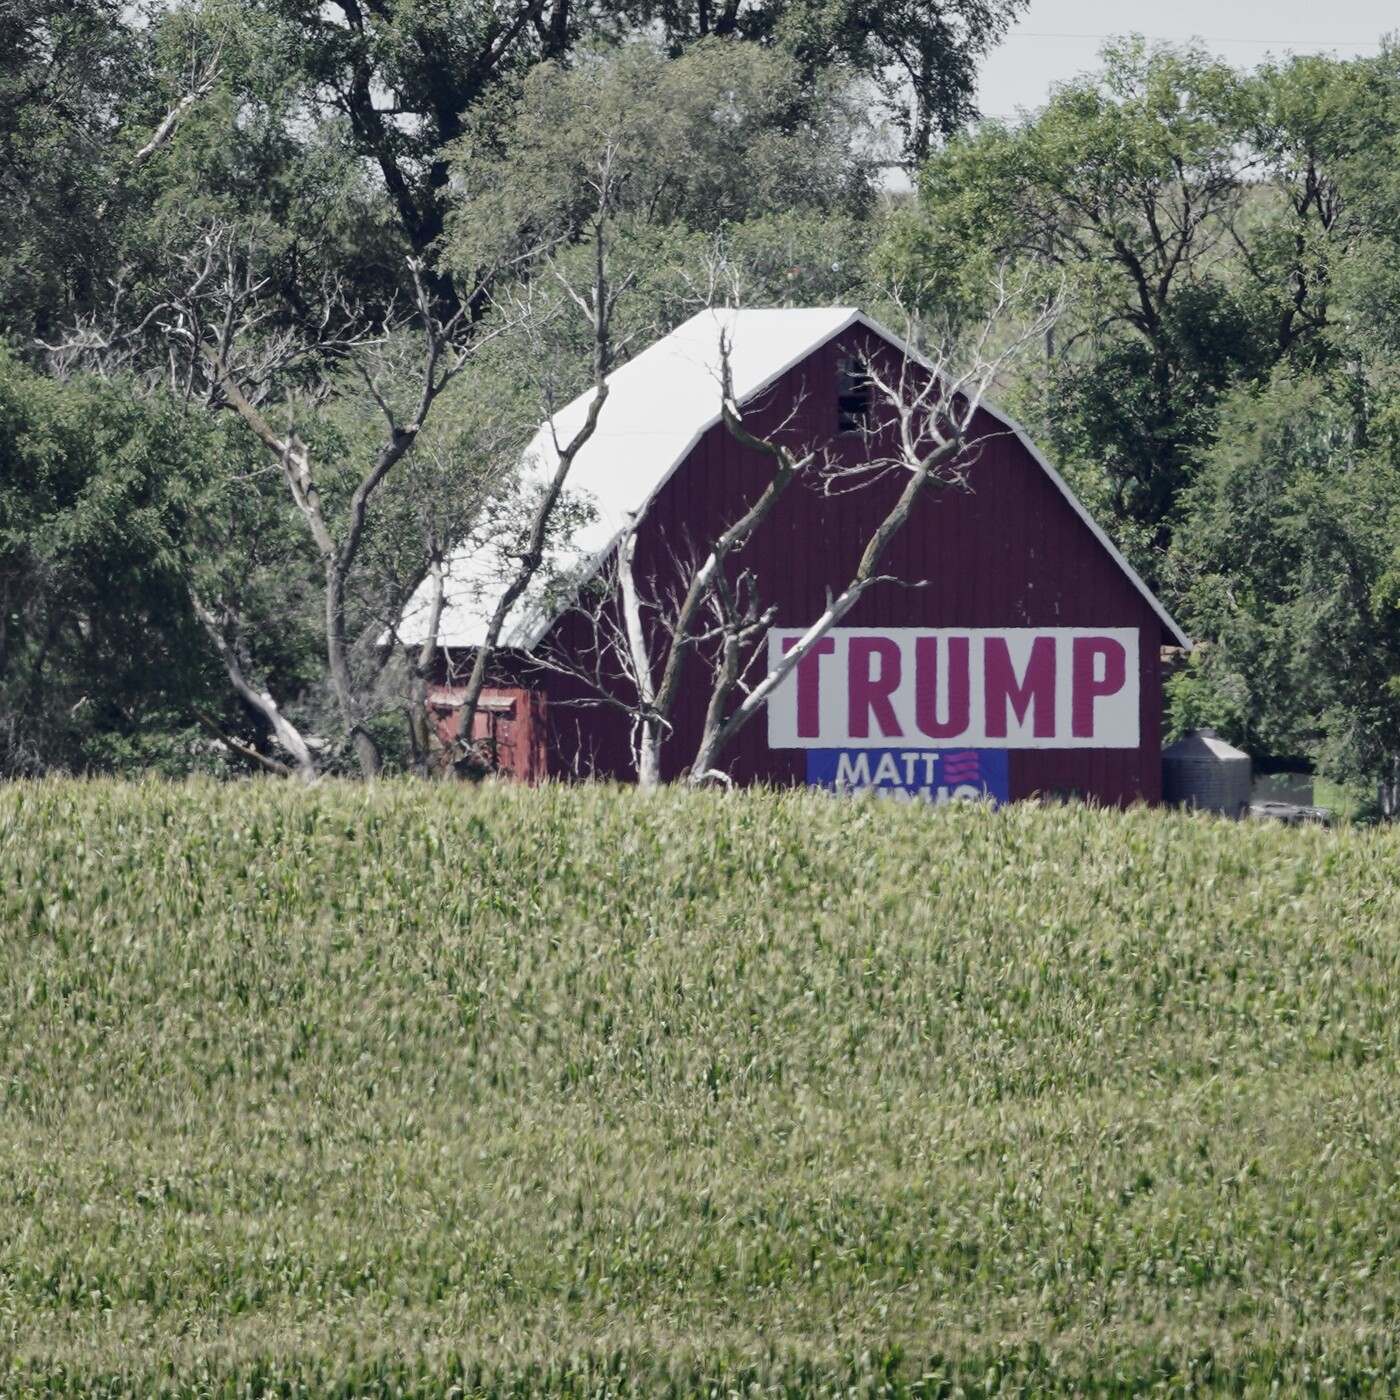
pixel 1058 39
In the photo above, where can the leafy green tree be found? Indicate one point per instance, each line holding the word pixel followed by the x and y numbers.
pixel 69 71
pixel 101 494
pixel 753 207
pixel 406 75
pixel 1188 212
pixel 701 140
pixel 1221 385
pixel 1290 545
pixel 270 284
pixel 921 56
pixel 1359 115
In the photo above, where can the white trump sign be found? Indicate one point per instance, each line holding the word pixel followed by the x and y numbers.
pixel 988 688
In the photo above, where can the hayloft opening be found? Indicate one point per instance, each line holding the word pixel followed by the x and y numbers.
pixel 852 395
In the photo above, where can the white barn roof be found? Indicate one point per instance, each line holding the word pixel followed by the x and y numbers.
pixel 659 405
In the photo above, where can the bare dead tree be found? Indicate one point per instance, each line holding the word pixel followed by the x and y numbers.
pixel 597 304
pixel 647 632
pixel 228 341
pixel 628 621
pixel 241 367
pixel 928 408
pixel 707 584
pixel 225 342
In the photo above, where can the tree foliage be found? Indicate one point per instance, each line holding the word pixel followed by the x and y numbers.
pixel 1226 245
pixel 101 494
pixel 406 74
pixel 1290 549
pixel 757 208
pixel 1220 386
pixel 1133 189
pixel 70 76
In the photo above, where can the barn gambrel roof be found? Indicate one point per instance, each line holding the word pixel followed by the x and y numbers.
pixel 659 406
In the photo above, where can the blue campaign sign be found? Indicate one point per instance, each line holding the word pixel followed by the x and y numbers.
pixel 930 775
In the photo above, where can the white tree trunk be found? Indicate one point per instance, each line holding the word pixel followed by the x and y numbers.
pixel 650 727
pixel 283 729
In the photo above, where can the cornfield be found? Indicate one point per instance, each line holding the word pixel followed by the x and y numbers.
pixel 406 1090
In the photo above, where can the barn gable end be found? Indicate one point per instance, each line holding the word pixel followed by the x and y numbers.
pixel 1013 550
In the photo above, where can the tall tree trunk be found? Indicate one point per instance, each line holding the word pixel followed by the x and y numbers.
pixel 444 358
pixel 1388 794
pixel 420 735
pixel 656 701
pixel 650 725
pixel 342 682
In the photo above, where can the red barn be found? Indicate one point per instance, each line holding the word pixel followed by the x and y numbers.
pixel 1024 659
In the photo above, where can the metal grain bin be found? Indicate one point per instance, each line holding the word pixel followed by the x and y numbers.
pixel 1207 774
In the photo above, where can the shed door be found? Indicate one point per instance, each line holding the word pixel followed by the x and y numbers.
pixel 507 734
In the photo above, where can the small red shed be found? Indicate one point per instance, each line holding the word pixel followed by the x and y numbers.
pixel 1018 653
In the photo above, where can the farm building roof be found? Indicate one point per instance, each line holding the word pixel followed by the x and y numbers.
pixel 659 405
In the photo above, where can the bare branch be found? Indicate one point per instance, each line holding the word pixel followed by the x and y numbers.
pixel 930 412
pixel 245 751
pixel 285 731
pixel 166 128
pixel 531 555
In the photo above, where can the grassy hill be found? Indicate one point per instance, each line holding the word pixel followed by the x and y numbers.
pixel 436 1091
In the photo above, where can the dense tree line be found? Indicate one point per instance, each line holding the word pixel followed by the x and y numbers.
pixel 1221 387
pixel 329 257
pixel 285 285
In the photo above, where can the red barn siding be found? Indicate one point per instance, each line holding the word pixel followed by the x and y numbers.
pixel 1007 551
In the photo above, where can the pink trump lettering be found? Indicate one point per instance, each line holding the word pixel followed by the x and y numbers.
pixel 871 694
pixel 809 681
pixel 1089 685
pixel 926 687
pixel 1035 690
